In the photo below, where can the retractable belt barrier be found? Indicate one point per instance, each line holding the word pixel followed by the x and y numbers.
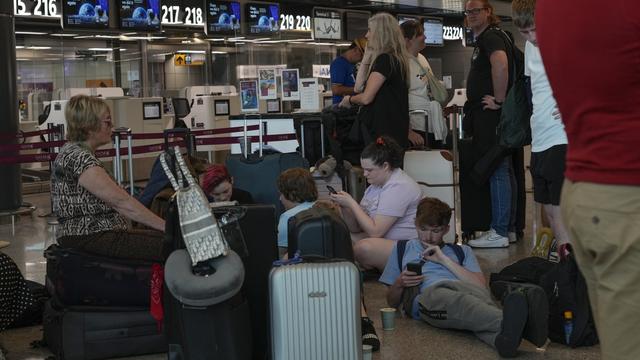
pixel 141 149
pixel 22 134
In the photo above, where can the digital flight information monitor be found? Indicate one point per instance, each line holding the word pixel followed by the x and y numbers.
pixel 223 17
pixel 262 18
pixel 140 14
pixel 433 31
pixel 91 14
pixel 182 13
pixel 327 24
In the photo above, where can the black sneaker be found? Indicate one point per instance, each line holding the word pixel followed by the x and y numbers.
pixel 537 328
pixel 369 336
pixel 514 317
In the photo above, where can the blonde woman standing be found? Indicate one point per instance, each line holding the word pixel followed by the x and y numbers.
pixel 384 100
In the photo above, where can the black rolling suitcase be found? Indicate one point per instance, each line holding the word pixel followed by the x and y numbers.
pixel 88 333
pixel 313 139
pixel 475 200
pixel 206 317
pixel 320 232
pixel 78 278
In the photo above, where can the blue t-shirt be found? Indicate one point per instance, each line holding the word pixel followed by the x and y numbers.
pixel 341 73
pixel 432 271
pixel 283 223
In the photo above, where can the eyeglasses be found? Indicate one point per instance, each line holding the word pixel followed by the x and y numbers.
pixel 475 11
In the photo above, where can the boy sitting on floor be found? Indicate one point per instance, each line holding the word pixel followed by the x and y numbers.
pixel 451 292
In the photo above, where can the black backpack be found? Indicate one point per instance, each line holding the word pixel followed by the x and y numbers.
pixel 566 290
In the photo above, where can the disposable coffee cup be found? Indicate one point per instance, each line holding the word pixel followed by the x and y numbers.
pixel 367 352
pixel 388 318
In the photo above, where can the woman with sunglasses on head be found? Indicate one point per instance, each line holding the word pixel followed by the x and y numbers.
pixel 91 208
pixel 384 100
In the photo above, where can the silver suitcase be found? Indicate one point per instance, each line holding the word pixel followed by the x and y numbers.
pixel 315 312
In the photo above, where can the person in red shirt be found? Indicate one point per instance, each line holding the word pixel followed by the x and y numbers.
pixel 591 52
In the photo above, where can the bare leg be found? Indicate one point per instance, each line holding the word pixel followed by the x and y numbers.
pixel 557 225
pixel 373 253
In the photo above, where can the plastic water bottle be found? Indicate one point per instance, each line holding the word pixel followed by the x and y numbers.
pixel 568 326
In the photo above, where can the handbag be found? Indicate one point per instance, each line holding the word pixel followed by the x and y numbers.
pixel 202 236
pixel 437 91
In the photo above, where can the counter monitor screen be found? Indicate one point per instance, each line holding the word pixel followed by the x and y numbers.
pixel 140 14
pixel 221 107
pixel 223 16
pixel 151 110
pixel 327 24
pixel 357 24
pixel 433 31
pixel 93 14
pixel 262 18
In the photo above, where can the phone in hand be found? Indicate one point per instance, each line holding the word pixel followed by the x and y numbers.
pixel 415 267
pixel 331 189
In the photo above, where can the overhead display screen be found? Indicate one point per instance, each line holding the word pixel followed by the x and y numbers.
pixel 140 14
pixel 223 17
pixel 327 24
pixel 433 31
pixel 85 14
pixel 262 18
pixel 36 8
pixel 357 24
pixel 182 13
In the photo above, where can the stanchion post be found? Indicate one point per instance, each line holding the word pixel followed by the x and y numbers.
pixel 117 167
pixel 130 156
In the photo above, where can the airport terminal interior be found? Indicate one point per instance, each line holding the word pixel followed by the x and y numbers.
pixel 212 64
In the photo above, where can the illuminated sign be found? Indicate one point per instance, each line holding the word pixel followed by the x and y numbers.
pixel 182 13
pixel 86 14
pixel 295 22
pixel 433 31
pixel 453 33
pixel 140 14
pixel 262 18
pixel 35 8
pixel 223 16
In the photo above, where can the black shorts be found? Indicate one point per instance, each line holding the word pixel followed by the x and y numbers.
pixel 547 171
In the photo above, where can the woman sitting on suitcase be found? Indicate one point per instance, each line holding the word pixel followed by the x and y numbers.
pixel 217 183
pixel 91 208
pixel 387 210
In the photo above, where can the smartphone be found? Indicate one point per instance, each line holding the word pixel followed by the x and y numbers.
pixel 416 267
pixel 331 189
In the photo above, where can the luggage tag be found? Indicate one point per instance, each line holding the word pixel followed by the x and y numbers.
pixel 296 259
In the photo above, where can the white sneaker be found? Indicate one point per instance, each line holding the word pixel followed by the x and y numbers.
pixel 490 239
pixel 513 237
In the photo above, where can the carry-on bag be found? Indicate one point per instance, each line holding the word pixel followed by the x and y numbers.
pixel 91 333
pixel 315 311
pixel 206 317
pixel 258 173
pixel 79 278
pixel 320 232
pixel 312 137
pixel 433 170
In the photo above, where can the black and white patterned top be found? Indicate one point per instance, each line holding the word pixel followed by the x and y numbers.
pixel 79 212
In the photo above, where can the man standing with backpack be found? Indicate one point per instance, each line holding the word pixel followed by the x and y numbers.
pixel 548 138
pixel 596 81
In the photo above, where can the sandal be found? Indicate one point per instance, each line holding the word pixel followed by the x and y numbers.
pixel 369 336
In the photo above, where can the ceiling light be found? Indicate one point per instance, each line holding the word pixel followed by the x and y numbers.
pixel 218 39
pixel 190 51
pixel 30 33
pixel 100 49
pixel 38 47
pixel 63 35
pixel 219 52
pixel 108 36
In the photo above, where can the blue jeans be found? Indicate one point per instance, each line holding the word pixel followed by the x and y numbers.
pixel 500 183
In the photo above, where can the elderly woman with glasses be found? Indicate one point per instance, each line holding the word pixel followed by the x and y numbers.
pixel 91 208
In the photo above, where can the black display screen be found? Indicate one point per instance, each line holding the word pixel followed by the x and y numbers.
pixel 433 31
pixel 327 24
pixel 262 18
pixel 223 17
pixel 140 14
pixel 85 14
pixel 357 24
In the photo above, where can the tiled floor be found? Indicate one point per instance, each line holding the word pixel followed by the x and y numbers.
pixel 410 339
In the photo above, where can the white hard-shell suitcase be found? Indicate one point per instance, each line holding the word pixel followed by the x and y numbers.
pixel 315 311
pixel 433 170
